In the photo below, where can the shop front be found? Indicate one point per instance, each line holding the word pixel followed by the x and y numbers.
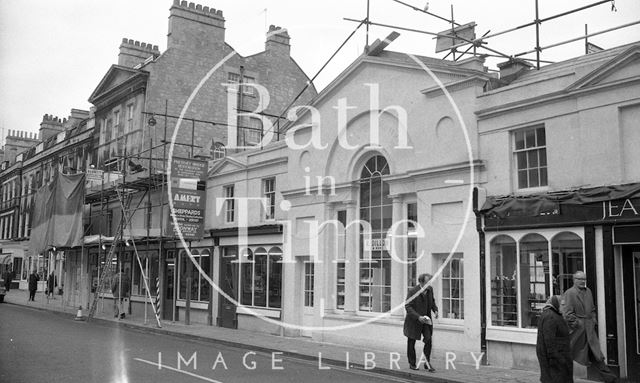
pixel 533 246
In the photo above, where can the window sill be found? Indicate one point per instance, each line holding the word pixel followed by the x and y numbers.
pixel 359 317
pixel 536 190
pixel 512 335
pixel 259 311
pixel 194 304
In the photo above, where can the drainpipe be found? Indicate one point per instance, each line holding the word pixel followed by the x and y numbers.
pixel 483 286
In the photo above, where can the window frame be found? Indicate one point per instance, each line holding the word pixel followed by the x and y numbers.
pixel 229 203
pixel 550 235
pixel 459 258
pixel 525 151
pixel 269 193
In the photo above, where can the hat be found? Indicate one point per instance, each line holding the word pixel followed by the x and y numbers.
pixel 553 302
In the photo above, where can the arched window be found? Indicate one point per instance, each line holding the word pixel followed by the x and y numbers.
pixel 218 151
pixel 275 277
pixel 504 287
pixel 534 279
pixel 375 262
pixel 567 258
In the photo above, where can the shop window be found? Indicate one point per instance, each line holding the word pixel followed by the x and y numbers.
pixel 375 262
pixel 261 278
pixel 530 154
pixel 567 258
pixel 534 278
pixel 339 258
pixel 412 245
pixel 149 261
pixel 308 283
pixel 199 284
pixel 504 289
pixel 453 288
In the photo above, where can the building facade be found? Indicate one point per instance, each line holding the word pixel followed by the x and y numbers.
pixel 187 102
pixel 562 196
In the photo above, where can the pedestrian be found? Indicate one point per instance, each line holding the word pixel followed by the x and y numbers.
pixel 33 285
pixel 120 286
pixel 418 323
pixel 7 279
pixel 52 281
pixel 579 312
pixel 553 346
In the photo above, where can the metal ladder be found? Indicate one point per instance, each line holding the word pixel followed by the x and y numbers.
pixel 106 271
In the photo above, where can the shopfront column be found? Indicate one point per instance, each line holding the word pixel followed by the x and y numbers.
pixel 351 261
pixel 398 266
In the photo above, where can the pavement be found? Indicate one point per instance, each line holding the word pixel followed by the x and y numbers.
pixel 332 355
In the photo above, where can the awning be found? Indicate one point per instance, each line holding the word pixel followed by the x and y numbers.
pixel 551 203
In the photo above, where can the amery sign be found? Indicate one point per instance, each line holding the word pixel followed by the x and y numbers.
pixel 188 195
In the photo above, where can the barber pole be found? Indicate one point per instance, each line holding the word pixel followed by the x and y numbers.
pixel 158 297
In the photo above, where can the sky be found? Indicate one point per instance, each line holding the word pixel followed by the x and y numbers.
pixel 54 53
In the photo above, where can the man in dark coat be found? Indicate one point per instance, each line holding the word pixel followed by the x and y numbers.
pixel 553 347
pixel 579 312
pixel 418 324
pixel 33 285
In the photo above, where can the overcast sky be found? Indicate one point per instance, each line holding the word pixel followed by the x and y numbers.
pixel 54 53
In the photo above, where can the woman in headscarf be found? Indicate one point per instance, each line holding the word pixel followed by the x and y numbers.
pixel 553 347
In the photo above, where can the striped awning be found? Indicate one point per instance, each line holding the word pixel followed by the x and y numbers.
pixel 5 258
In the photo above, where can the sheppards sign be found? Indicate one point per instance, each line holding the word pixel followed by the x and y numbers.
pixel 188 196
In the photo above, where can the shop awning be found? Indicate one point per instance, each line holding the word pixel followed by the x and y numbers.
pixel 551 203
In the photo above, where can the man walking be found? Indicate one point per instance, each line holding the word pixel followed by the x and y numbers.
pixel 418 324
pixel 120 289
pixel 33 285
pixel 580 314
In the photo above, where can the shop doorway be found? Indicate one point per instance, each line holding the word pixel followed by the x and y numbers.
pixel 169 309
pixel 631 278
pixel 228 278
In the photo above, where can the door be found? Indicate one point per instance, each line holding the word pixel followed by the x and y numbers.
pixel 308 282
pixel 169 309
pixel 228 284
pixel 631 277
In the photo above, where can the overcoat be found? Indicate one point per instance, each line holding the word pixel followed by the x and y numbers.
pixel 33 281
pixel 553 347
pixel 120 285
pixel 580 314
pixel 422 304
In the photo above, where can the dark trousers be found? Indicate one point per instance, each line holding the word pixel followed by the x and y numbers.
pixel 32 295
pixel 427 330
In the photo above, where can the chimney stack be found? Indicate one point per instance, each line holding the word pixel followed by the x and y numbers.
pixel 512 69
pixel 195 27
pixel 278 41
pixel 134 52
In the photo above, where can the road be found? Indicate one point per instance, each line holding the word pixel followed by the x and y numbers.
pixel 45 346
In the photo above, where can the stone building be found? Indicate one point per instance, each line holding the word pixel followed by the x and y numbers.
pixel 186 101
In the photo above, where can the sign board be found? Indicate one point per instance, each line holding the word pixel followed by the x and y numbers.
pixel 376 244
pixel 94 175
pixel 449 38
pixel 188 195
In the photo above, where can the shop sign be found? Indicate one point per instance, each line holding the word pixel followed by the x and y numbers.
pixel 188 197
pixel 376 244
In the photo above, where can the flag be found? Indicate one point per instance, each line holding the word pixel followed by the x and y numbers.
pixel 57 214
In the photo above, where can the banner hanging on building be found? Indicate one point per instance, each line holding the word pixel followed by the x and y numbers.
pixel 188 194
pixel 57 214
